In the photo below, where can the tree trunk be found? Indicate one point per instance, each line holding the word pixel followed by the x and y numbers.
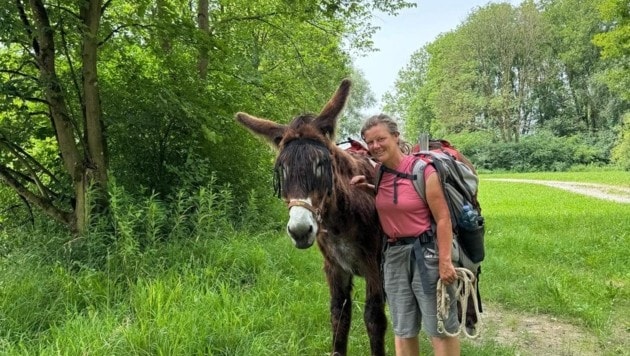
pixel 87 170
pixel 59 215
pixel 53 92
pixel 61 120
pixel 165 42
pixel 203 23
pixel 95 175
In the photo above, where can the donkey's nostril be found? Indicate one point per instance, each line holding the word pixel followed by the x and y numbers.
pixel 303 235
pixel 300 231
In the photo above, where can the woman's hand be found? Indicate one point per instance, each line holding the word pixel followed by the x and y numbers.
pixel 361 182
pixel 447 271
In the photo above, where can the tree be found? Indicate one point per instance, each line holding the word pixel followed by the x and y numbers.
pixel 504 47
pixel 614 45
pixel 32 43
pixel 572 25
pixel 410 99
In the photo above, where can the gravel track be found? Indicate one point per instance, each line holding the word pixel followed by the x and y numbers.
pixel 601 191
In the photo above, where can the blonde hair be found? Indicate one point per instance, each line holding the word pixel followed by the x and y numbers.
pixel 392 128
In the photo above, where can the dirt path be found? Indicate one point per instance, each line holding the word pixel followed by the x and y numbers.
pixel 601 191
pixel 535 334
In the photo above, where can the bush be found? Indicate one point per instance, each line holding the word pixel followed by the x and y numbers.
pixel 540 152
pixel 263 212
pixel 48 274
pixel 621 151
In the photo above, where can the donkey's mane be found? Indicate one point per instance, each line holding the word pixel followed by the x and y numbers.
pixel 345 165
pixel 301 127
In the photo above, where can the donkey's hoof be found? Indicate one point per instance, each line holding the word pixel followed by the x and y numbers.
pixel 471 329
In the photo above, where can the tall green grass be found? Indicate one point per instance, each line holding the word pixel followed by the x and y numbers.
pixel 184 279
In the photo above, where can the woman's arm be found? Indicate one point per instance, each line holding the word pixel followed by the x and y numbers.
pixel 441 215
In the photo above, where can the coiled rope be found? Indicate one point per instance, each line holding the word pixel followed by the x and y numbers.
pixel 465 287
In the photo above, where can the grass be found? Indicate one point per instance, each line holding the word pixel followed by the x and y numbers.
pixel 221 292
pixel 558 253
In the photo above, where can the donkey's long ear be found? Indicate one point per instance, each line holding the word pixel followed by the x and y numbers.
pixel 269 130
pixel 326 121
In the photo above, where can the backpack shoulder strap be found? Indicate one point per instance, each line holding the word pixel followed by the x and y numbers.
pixel 381 168
pixel 378 177
pixel 418 171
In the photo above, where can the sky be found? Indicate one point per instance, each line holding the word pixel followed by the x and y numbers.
pixel 400 36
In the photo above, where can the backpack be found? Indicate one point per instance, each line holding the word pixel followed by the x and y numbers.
pixel 354 146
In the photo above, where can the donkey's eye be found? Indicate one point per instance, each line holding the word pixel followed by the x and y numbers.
pixel 317 168
pixel 285 171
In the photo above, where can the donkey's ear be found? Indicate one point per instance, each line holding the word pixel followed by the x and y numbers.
pixel 326 121
pixel 269 130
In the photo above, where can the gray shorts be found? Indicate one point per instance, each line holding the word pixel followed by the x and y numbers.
pixel 409 305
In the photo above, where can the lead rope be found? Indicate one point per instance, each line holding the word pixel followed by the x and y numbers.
pixel 466 283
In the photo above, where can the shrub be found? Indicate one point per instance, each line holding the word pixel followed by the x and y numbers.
pixel 542 151
pixel 621 151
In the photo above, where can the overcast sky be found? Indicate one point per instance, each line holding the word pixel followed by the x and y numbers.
pixel 400 36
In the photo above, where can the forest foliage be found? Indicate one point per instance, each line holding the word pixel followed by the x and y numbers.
pixel 512 81
pixel 139 96
pixel 132 206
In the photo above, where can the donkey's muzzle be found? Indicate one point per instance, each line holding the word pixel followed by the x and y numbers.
pixel 303 236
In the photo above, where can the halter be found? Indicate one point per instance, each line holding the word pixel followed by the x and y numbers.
pixel 317 212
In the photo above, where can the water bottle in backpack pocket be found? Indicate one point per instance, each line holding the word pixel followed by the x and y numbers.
pixel 471 231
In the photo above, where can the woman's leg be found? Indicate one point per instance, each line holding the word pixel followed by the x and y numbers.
pixel 407 346
pixel 446 346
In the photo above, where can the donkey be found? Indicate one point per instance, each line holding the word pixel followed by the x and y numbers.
pixel 313 177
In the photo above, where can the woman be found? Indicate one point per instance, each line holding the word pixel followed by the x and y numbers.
pixel 410 280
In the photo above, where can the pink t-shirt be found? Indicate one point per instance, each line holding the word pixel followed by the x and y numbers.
pixel 410 216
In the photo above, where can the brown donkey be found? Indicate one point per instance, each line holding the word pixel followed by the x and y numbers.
pixel 313 177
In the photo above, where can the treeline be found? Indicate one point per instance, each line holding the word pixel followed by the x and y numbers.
pixel 539 86
pixel 141 94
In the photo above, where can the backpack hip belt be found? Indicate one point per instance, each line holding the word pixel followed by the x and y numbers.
pixel 423 238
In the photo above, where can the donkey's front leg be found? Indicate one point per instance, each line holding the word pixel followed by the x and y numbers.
pixel 340 285
pixel 374 314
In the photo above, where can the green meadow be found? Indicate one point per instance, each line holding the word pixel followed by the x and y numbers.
pixel 219 290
